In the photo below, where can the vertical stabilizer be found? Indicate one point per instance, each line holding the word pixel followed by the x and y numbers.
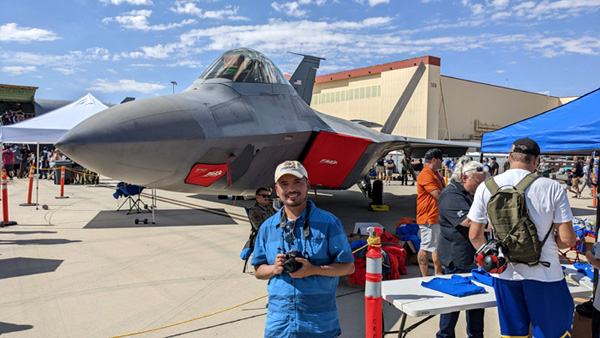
pixel 392 120
pixel 303 79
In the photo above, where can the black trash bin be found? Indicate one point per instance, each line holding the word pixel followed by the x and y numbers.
pixel 57 165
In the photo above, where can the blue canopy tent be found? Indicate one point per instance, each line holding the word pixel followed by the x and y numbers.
pixel 573 128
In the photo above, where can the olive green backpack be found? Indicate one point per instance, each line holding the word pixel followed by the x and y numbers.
pixel 509 216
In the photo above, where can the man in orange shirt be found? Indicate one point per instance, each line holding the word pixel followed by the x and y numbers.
pixel 429 186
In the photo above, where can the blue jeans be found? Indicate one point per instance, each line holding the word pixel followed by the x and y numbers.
pixel 448 320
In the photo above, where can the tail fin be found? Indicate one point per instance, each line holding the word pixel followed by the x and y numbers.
pixel 392 120
pixel 303 79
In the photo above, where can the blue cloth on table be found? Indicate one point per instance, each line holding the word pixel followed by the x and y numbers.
pixel 128 190
pixel 357 245
pixel 584 268
pixel 408 229
pixel 457 286
pixel 482 277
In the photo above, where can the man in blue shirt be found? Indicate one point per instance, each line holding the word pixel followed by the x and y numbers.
pixel 301 302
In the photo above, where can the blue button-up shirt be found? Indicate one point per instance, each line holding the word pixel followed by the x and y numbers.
pixel 303 307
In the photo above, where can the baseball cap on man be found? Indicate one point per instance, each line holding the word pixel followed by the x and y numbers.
pixel 290 167
pixel 526 146
pixel 433 153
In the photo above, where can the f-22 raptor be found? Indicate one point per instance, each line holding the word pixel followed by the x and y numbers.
pixel 226 133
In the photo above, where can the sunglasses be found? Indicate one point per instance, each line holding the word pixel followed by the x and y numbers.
pixel 478 169
pixel 264 195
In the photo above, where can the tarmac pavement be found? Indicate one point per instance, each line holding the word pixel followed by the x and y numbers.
pixel 79 268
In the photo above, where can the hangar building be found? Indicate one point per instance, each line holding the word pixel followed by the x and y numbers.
pixel 441 107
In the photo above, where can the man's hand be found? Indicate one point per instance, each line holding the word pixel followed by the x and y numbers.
pixel 265 271
pixel 305 270
pixel 278 265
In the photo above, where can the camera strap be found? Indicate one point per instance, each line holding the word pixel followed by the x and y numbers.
pixel 305 228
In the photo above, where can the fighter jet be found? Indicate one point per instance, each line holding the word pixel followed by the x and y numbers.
pixel 226 133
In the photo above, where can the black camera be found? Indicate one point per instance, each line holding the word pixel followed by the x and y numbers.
pixel 290 265
pixel 491 257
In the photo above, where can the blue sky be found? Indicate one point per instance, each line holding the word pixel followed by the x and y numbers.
pixel 119 48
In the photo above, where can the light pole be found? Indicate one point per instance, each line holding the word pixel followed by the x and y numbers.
pixel 174 84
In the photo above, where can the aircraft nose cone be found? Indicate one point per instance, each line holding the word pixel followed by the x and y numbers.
pixel 127 140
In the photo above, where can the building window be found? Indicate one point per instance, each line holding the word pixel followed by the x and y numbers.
pixel 368 90
pixel 337 97
pixel 356 93
pixel 344 95
pixel 362 93
pixel 350 94
pixel 374 91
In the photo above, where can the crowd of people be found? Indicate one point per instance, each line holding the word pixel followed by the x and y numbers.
pixel 17 160
pixel 301 249
pixel 12 116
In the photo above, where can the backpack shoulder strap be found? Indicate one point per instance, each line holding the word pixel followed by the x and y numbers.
pixel 492 185
pixel 526 181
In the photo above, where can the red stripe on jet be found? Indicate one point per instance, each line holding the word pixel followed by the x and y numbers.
pixel 331 158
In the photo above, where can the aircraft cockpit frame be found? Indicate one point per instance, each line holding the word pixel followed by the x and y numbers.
pixel 244 65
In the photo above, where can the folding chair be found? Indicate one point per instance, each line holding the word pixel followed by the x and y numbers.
pixel 132 193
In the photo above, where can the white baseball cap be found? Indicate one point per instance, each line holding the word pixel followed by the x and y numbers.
pixel 290 167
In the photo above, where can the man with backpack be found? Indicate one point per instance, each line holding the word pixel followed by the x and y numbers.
pixel 531 218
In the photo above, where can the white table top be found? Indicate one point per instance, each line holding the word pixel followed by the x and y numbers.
pixel 577 276
pixel 415 300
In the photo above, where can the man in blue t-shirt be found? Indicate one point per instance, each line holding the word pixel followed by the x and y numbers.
pixel 301 302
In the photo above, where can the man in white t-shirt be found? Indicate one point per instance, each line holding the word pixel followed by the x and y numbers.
pixel 536 295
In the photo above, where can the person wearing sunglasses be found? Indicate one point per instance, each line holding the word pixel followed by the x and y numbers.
pixel 456 253
pixel 262 209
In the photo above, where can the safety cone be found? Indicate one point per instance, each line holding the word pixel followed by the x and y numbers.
pixel 30 189
pixel 373 311
pixel 5 221
pixel 62 183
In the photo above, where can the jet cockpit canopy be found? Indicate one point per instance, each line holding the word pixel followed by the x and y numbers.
pixel 244 65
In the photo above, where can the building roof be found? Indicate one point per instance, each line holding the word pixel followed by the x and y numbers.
pixel 16 93
pixel 428 60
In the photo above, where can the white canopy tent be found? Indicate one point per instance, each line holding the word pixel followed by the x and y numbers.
pixel 50 127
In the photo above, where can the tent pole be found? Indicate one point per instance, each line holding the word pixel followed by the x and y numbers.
pixel 37 176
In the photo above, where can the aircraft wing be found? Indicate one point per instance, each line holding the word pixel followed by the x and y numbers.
pixel 418 146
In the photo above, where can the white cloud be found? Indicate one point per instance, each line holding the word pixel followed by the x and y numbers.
pixel 130 2
pixel 289 8
pixel 547 9
pixel 124 85
pixel 67 71
pixel 68 63
pixel 555 46
pixel 189 7
pixel 18 70
pixel 138 20
pixel 373 3
pixel 12 32
pixel 292 8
